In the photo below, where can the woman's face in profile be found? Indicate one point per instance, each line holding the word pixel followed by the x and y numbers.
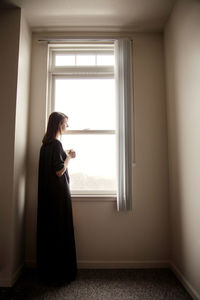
pixel 64 126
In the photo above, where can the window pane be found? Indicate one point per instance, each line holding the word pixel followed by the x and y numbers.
pixel 85 60
pixel 65 60
pixel 94 168
pixel 89 103
pixel 105 60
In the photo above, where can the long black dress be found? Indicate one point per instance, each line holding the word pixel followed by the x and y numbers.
pixel 56 252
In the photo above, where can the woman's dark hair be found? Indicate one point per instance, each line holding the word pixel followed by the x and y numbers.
pixel 53 127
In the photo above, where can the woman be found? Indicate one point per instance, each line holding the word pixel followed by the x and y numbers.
pixel 56 252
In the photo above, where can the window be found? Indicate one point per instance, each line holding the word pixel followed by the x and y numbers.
pixel 82 85
pixel 92 84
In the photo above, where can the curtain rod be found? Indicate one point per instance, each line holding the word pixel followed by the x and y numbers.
pixel 51 40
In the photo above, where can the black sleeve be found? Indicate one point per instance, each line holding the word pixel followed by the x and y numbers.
pixel 58 161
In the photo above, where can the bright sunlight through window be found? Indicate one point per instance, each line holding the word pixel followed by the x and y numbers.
pixel 85 91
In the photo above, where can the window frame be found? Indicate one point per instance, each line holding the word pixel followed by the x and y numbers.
pixel 71 72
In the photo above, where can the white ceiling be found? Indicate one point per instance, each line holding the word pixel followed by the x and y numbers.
pixel 134 15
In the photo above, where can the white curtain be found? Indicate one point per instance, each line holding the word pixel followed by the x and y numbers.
pixel 124 98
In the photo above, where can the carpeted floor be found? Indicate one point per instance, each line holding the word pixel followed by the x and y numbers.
pixel 112 284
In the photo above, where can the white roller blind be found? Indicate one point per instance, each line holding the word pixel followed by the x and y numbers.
pixel 124 99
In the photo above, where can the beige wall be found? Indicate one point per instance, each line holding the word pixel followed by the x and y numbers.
pixel 105 237
pixel 182 47
pixel 20 154
pixel 9 32
pixel 14 61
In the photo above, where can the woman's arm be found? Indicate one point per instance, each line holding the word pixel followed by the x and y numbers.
pixel 62 171
pixel 70 154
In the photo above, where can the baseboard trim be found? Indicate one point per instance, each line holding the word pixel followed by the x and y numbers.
pixel 5 282
pixel 10 281
pixel 83 264
pixel 99 264
pixel 193 293
pixel 16 274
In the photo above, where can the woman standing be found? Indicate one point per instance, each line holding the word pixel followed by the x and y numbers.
pixel 56 252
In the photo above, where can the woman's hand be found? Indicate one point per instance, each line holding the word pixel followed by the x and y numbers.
pixel 70 153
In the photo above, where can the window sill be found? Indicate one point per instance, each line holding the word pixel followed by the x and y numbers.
pixel 94 198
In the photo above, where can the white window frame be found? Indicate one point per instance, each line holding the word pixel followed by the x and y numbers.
pixel 70 72
pixel 125 114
